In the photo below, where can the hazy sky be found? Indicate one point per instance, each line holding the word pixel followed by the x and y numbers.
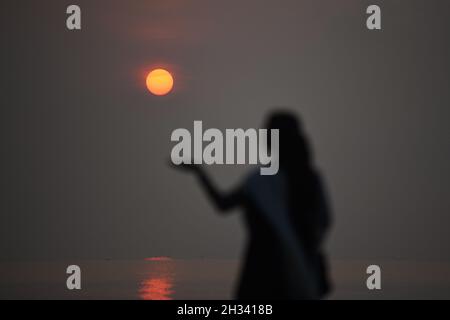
pixel 85 147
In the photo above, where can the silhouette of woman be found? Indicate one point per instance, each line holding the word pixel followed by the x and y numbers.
pixel 287 219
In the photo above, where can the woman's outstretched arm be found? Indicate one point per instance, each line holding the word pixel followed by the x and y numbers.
pixel 223 201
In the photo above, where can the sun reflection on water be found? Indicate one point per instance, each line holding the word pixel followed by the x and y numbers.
pixel 159 281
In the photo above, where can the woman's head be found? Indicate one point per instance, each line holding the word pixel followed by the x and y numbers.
pixel 294 149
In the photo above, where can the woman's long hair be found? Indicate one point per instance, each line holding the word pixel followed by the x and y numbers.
pixel 296 163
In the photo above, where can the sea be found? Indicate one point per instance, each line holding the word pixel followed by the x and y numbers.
pixel 166 278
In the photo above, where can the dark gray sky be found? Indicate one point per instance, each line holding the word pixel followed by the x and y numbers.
pixel 85 147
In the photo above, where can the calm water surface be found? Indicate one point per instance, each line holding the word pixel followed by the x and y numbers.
pixel 163 278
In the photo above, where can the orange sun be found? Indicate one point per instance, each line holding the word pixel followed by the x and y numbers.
pixel 159 82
